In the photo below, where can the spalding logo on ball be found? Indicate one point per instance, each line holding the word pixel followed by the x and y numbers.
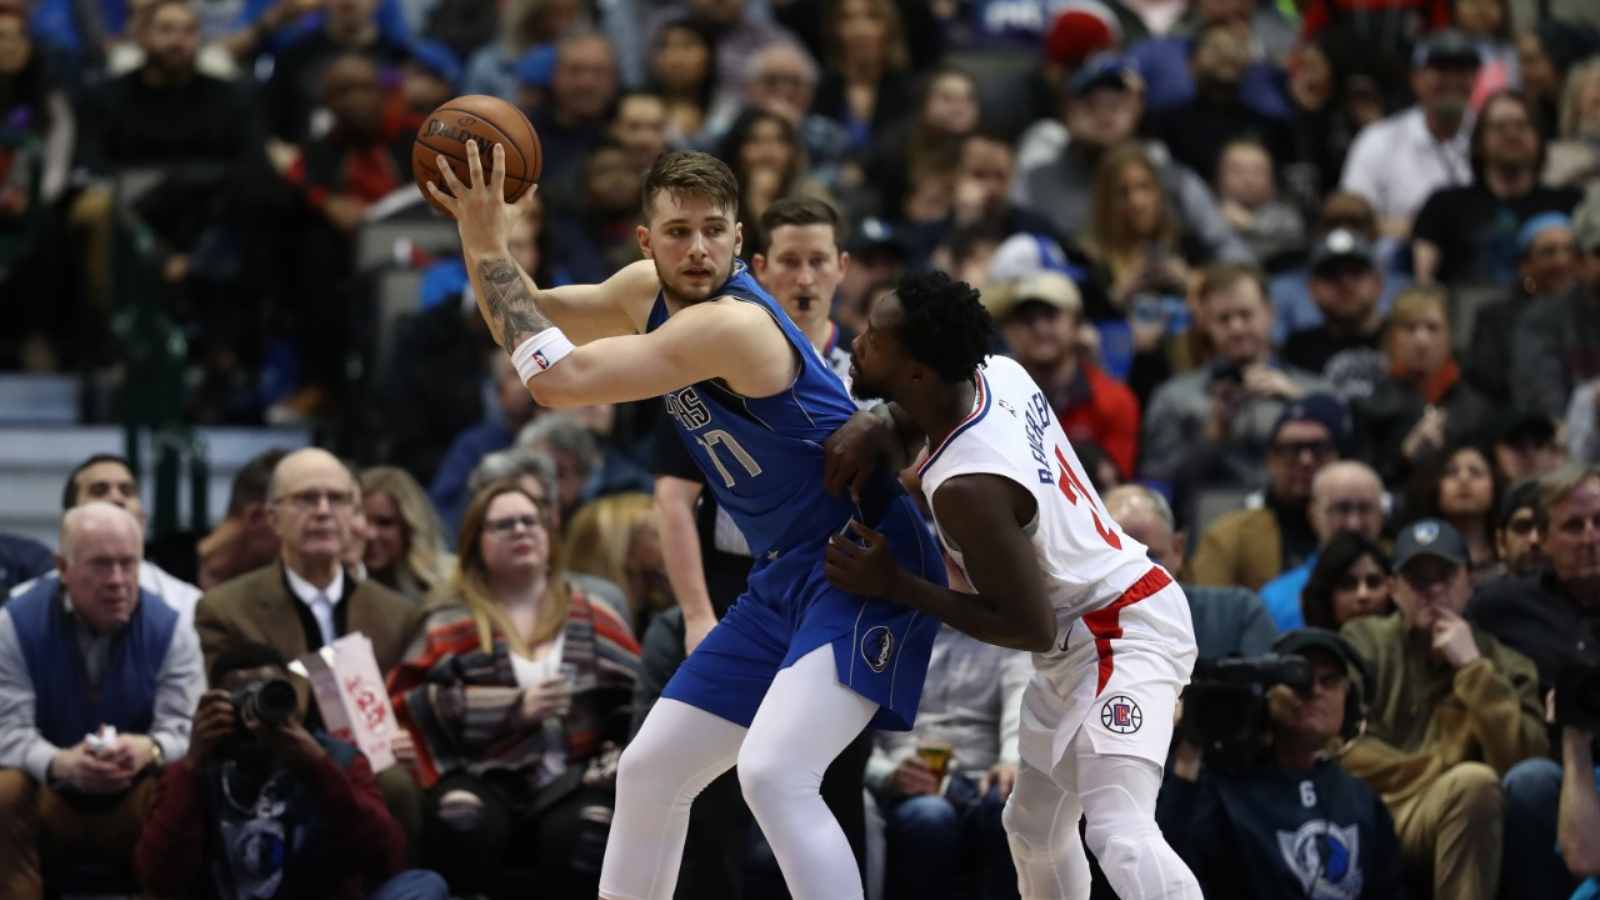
pixel 487 120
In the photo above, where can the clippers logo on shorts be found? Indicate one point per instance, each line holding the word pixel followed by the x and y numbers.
pixel 688 409
pixel 1121 715
pixel 877 646
pixel 1325 858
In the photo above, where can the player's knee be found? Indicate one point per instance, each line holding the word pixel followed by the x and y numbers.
pixel 639 767
pixel 769 780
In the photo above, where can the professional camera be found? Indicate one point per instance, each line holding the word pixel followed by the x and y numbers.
pixel 1225 705
pixel 271 702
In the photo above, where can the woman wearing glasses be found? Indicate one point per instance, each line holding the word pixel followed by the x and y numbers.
pixel 1350 579
pixel 512 693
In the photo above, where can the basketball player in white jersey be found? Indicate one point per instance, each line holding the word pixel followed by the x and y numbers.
pixel 1051 573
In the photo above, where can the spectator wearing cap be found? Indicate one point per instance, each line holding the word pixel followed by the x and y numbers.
pixel 1547 266
pixel 1398 162
pixel 1420 404
pixel 1252 546
pixel 1293 307
pixel 1039 318
pixel 1079 30
pixel 1452 711
pixel 582 86
pixel 1287 820
pixel 1346 496
pixel 1467 234
pixel 1103 105
pixel 1346 286
pixel 1211 425
pixel 1557 343
pixel 1228 621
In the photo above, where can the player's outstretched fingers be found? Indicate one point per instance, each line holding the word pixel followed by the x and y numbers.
pixel 474 164
pixel 497 178
pixel 452 181
pixel 445 200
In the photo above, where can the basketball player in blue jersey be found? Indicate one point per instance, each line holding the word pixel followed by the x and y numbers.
pixel 797 667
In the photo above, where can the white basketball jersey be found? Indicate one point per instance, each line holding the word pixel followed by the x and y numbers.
pixel 1012 432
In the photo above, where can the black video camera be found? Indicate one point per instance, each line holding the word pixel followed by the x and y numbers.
pixel 1225 705
pixel 272 702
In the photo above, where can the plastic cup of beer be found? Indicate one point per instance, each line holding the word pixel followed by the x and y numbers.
pixel 936 756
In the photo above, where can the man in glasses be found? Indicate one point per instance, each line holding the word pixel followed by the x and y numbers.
pixel 1345 496
pixel 1254 545
pixel 305 599
pixel 1452 711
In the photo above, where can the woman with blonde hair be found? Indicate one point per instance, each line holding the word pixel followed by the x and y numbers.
pixel 1134 235
pixel 616 538
pixel 511 693
pixel 1422 404
pixel 405 542
pixel 1575 158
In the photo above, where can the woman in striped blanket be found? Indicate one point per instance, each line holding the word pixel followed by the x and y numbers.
pixel 515 693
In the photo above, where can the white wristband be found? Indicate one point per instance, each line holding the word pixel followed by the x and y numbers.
pixel 538 353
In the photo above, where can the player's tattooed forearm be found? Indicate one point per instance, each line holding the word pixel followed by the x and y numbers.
pixel 510 301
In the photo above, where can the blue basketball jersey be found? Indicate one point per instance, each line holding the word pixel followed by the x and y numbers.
pixel 763 456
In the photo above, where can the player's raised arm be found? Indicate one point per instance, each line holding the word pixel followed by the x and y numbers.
pixel 512 305
pixel 980 514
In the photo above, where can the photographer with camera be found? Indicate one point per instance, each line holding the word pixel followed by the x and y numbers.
pixel 1256 802
pixel 263 808
pixel 1452 711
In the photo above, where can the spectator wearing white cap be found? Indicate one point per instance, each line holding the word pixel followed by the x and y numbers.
pixel 1039 318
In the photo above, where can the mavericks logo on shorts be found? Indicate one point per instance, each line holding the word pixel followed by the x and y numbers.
pixel 877 647
pixel 1121 715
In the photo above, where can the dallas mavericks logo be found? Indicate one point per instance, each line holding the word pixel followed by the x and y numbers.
pixel 1325 858
pixel 1121 715
pixel 877 647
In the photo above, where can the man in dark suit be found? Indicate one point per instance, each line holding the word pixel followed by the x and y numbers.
pixel 306 600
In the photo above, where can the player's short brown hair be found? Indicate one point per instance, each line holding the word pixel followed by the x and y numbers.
pixel 690 173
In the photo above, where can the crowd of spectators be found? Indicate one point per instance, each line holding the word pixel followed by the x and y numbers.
pixel 1314 289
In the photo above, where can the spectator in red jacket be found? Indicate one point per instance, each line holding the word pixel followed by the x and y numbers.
pixel 1039 317
pixel 257 810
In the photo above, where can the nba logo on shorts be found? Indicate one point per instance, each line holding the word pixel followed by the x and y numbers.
pixel 877 647
pixel 1121 715
pixel 540 360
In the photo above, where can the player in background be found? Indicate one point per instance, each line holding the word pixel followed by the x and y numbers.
pixel 1052 572
pixel 797 667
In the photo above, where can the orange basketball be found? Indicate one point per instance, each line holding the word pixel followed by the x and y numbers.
pixel 487 120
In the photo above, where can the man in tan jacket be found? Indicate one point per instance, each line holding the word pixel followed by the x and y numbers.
pixel 1453 710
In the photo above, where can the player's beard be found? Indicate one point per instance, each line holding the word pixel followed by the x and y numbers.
pixel 862 388
pixel 673 285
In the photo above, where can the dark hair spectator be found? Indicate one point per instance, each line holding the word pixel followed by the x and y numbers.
pixel 1350 579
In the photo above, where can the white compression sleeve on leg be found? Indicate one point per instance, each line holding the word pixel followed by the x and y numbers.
pixel 1119 800
pixel 806 719
pixel 539 352
pixel 1041 823
pixel 678 751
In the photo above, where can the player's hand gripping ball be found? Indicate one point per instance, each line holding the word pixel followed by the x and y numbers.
pixel 487 120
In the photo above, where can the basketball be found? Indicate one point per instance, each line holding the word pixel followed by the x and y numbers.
pixel 487 120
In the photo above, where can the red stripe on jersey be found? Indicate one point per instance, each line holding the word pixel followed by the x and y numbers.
pixel 1104 623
